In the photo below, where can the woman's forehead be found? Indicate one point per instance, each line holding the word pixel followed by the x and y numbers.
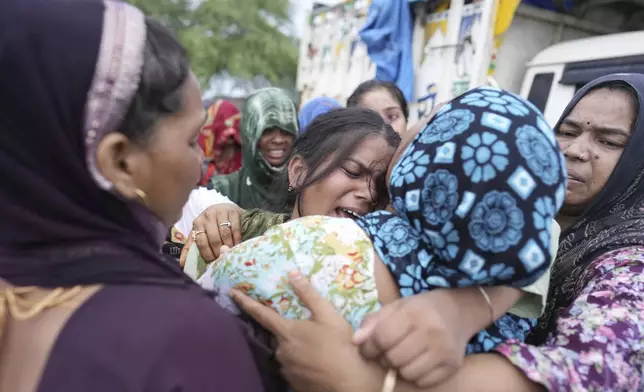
pixel 604 109
pixel 380 99
pixel 372 154
pixel 372 151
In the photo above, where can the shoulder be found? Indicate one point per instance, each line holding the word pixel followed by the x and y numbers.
pixel 610 269
pixel 325 225
pixel 227 184
pixel 170 310
pixel 162 333
pixel 257 213
pixel 325 236
pixel 629 259
pixel 209 344
pixel 255 222
pixel 615 280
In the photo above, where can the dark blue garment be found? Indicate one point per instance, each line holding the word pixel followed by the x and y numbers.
pixel 388 36
pixel 475 194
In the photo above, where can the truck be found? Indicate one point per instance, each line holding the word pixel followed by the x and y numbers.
pixel 544 56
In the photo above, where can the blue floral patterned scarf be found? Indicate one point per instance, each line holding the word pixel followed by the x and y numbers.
pixel 474 194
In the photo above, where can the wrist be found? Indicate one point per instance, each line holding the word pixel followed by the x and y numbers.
pixel 469 310
pixel 475 311
pixel 461 310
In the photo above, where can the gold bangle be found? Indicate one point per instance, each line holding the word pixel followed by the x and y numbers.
pixel 489 303
pixel 390 381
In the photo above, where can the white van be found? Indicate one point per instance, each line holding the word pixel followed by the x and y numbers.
pixel 555 74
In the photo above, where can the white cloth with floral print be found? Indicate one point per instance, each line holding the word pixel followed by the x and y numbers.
pixel 333 253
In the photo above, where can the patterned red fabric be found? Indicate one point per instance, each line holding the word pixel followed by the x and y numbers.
pixel 221 126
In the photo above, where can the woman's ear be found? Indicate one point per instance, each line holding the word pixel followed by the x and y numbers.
pixel 296 172
pixel 120 162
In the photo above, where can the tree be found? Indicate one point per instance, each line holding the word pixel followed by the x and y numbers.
pixel 244 38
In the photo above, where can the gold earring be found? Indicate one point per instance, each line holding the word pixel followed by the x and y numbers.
pixel 142 196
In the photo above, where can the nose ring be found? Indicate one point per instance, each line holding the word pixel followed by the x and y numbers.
pixel 581 157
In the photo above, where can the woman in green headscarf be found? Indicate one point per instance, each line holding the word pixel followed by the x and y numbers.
pixel 268 130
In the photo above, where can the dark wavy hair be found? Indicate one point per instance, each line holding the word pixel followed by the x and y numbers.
pixel 336 135
pixel 364 88
pixel 165 70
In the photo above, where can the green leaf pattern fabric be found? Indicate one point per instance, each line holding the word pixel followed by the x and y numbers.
pixel 253 185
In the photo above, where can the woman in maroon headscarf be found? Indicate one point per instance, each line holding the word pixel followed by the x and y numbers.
pixel 91 182
pixel 220 140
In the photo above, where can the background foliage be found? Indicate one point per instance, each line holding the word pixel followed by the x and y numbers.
pixel 246 39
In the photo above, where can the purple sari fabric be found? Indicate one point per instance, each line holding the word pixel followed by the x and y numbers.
pixel 591 337
pixel 597 341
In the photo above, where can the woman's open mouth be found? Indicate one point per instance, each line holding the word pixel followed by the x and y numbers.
pixel 342 212
pixel 276 154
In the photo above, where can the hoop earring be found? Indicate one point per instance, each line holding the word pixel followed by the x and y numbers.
pixel 142 196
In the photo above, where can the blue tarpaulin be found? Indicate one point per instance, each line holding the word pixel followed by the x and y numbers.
pixel 388 37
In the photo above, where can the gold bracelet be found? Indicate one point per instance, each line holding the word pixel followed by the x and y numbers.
pixel 489 303
pixel 390 381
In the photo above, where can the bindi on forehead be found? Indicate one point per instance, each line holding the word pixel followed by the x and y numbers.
pixel 600 124
pixel 607 107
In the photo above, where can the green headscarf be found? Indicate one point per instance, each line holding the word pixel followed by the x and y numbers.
pixel 250 187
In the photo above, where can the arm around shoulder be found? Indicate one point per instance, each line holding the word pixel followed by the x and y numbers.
pixel 599 339
pixel 597 344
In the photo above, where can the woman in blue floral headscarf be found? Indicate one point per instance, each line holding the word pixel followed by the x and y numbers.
pixel 474 197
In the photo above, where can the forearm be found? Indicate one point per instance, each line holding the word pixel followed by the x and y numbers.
pixel 481 373
pixel 477 315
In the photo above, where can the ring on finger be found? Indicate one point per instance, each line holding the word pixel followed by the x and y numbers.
pixel 226 224
pixel 195 233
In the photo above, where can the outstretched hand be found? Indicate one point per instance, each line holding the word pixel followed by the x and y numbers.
pixel 323 313
pixel 316 355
